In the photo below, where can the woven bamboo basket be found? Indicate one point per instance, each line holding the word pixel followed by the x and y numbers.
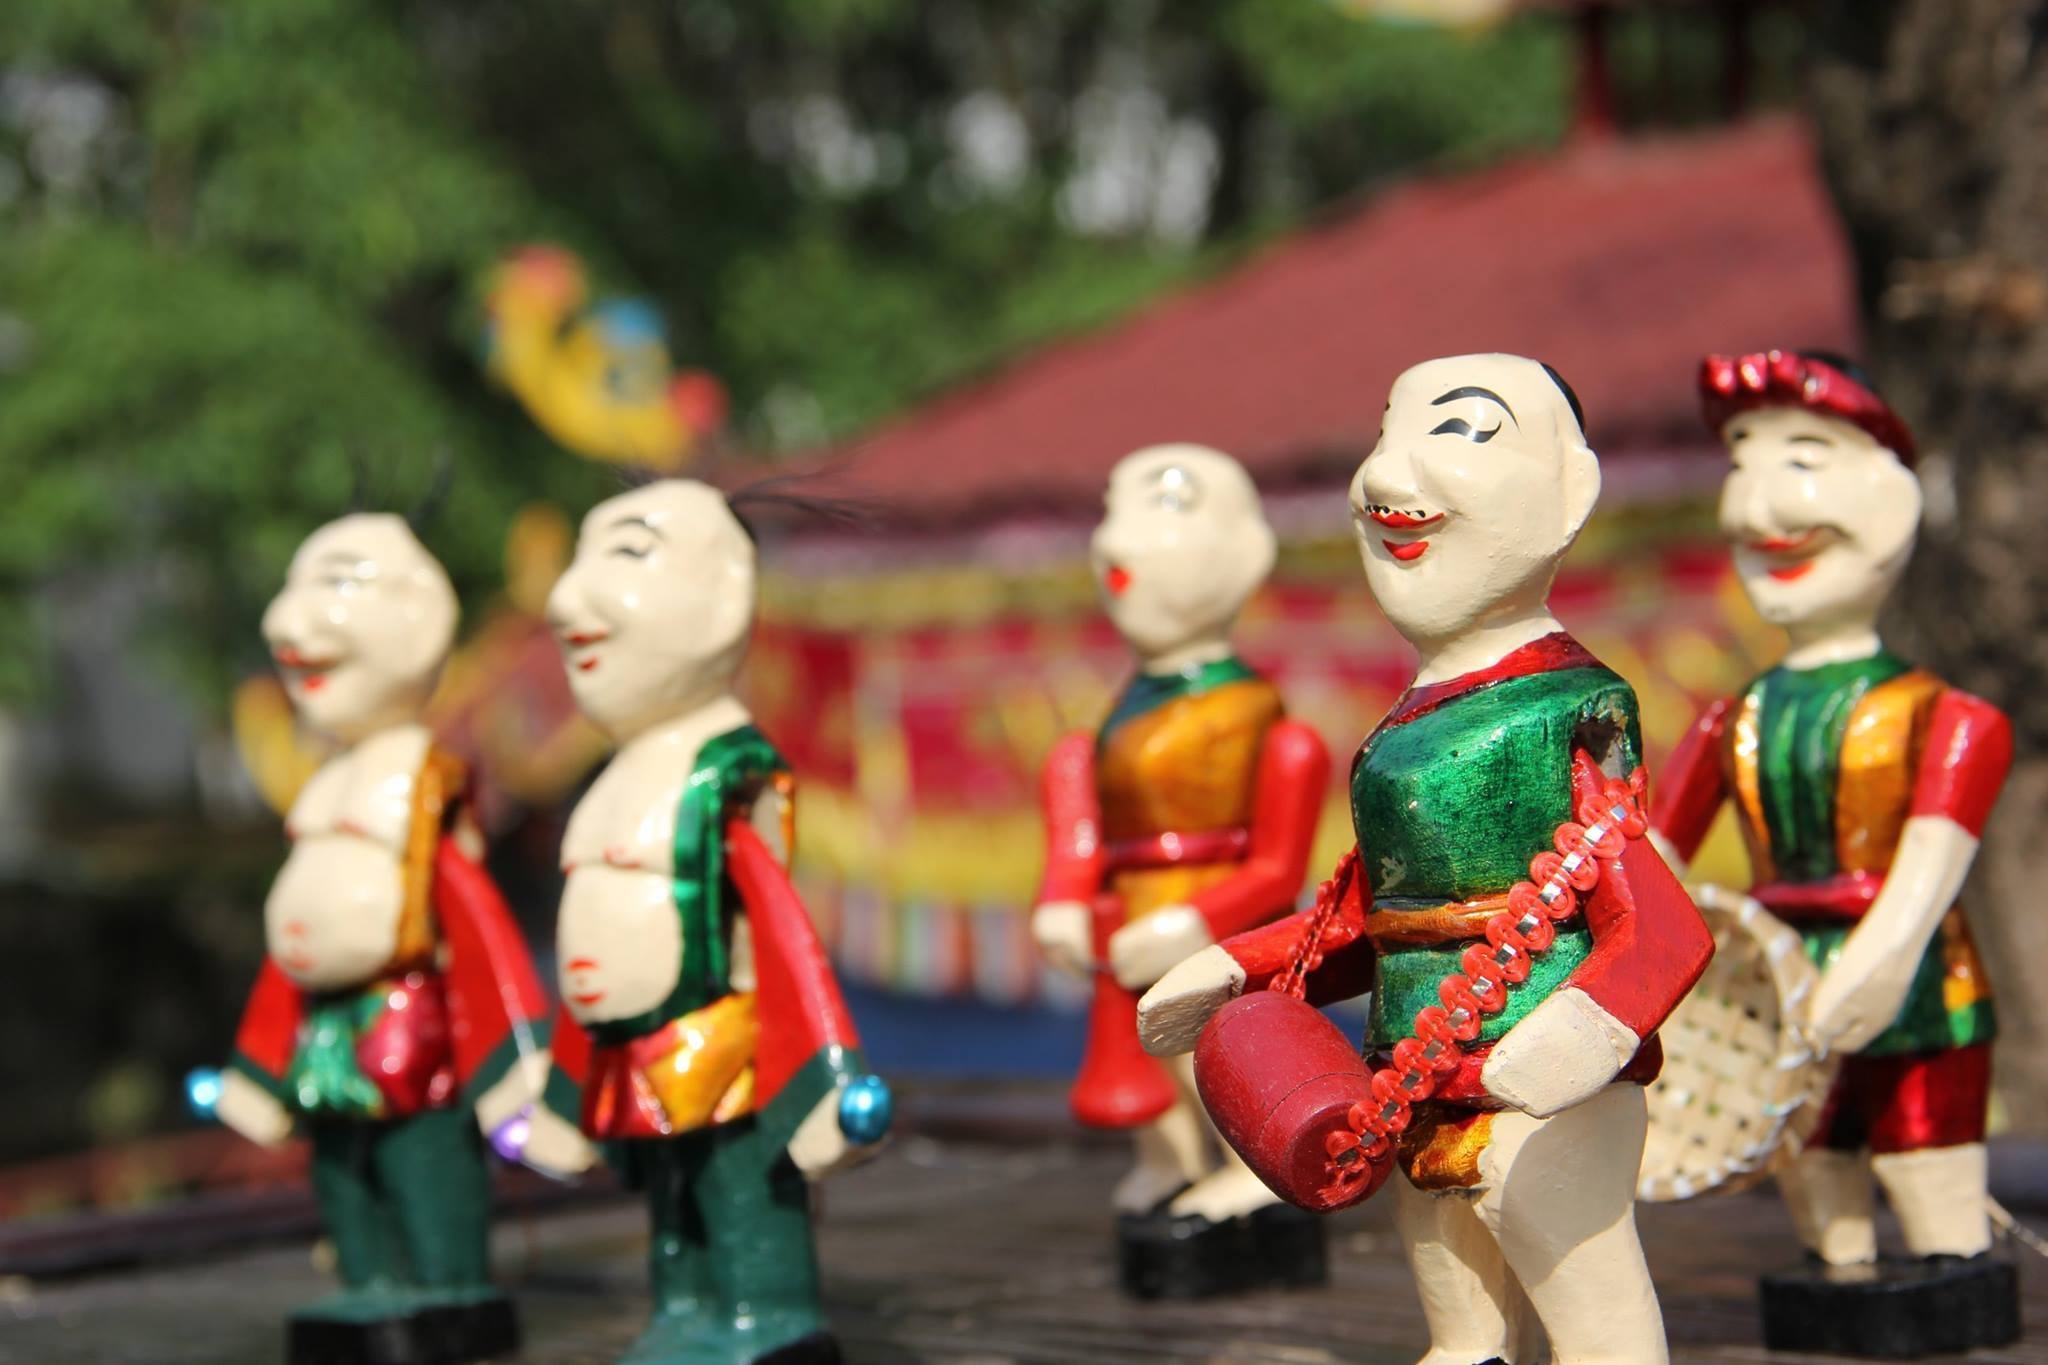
pixel 1741 1088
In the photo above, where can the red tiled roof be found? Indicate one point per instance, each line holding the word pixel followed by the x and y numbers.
pixel 1620 262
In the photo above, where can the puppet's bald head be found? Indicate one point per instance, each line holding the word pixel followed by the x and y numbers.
pixel 362 626
pixel 654 613
pixel 1481 480
pixel 1182 545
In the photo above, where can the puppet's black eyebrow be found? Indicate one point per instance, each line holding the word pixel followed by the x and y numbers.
pixel 1474 391
pixel 1805 439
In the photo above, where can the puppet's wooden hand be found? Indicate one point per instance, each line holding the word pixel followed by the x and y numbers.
pixel 513 1093
pixel 1173 1013
pixel 1565 1051
pixel 1850 1008
pixel 554 1146
pixel 1061 931
pixel 1142 952
pixel 820 1146
pixel 251 1110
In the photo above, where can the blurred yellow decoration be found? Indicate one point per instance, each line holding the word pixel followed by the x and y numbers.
pixel 597 378
pixel 965 859
pixel 279 756
pixel 537 550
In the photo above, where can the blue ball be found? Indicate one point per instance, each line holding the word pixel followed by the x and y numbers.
pixel 865 1110
pixel 202 1092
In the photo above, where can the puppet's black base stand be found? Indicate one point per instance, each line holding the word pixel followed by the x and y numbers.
pixel 485 1329
pixel 1894 1309
pixel 819 1348
pixel 1160 1256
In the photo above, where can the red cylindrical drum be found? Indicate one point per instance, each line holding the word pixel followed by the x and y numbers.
pixel 1279 1080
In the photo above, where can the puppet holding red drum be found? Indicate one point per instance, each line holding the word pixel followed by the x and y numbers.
pixel 1520 938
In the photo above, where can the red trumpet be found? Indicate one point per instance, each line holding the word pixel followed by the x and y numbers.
pixel 1120 1085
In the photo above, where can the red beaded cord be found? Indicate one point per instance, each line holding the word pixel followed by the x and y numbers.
pixel 1514 938
pixel 1308 957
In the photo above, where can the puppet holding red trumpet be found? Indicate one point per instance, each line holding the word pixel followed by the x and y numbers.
pixel 1521 939
pixel 1185 818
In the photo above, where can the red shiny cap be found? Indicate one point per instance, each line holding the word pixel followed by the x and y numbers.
pixel 1730 384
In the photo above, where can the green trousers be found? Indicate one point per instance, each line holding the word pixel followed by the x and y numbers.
pixel 731 1266
pixel 407 1203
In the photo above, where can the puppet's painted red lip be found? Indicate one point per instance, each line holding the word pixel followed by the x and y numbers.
pixel 1801 549
pixel 1403 521
pixel 590 999
pixel 583 639
pixel 297 962
pixel 1407 551
pixel 307 671
pixel 1117 579
pixel 1785 545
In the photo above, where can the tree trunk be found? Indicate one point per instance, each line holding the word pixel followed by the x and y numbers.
pixel 1933 117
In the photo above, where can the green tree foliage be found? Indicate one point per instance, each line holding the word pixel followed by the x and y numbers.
pixel 240 240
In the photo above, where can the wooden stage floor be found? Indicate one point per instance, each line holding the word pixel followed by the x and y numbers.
pixel 957 1251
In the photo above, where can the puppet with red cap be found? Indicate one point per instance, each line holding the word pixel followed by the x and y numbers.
pixel 1861 785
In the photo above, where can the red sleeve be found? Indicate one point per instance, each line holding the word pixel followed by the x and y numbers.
pixel 1073 822
pixel 569 1045
pixel 1294 771
pixel 1649 943
pixel 269 1030
pixel 1964 762
pixel 1346 971
pixel 492 990
pixel 801 1010
pixel 1691 786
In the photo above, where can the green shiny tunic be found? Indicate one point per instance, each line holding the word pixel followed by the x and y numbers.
pixel 1803 715
pixel 1452 804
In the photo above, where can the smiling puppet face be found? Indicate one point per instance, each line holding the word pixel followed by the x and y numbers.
pixel 1821 517
pixel 654 612
pixel 1479 483
pixel 362 626
pixel 1184 543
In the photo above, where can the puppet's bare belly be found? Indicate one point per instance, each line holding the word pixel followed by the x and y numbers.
pixel 619 942
pixel 332 918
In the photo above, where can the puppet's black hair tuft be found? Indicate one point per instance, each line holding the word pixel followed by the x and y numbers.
pixel 423 512
pixel 784 498
pixel 1570 395
pixel 1836 360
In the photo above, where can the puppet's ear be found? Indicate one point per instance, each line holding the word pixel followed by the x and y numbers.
pixel 1261 549
pixel 1893 501
pixel 733 597
pixel 1580 471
